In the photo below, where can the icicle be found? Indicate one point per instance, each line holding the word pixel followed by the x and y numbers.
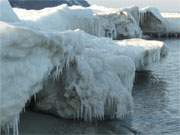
pixel 81 111
pixel 95 112
pixel 24 109
pixel 57 73
pixel 78 111
pixel 34 98
pixel 90 114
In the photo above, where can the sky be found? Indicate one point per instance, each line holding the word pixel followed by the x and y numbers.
pixel 163 5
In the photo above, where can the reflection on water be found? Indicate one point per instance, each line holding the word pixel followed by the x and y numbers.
pixel 156 99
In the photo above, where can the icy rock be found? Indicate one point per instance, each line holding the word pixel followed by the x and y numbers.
pixel 6 12
pixel 151 21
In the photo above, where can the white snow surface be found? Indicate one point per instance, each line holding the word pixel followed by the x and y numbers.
pixel 6 12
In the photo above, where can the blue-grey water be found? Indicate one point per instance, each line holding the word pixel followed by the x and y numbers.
pixel 157 95
pixel 156 99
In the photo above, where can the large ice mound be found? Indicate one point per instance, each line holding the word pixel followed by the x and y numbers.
pixel 101 78
pixel 100 84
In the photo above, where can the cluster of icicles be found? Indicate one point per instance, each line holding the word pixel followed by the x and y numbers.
pixel 97 112
pixel 11 128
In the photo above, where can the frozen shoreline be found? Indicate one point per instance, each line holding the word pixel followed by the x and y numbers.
pixel 76 75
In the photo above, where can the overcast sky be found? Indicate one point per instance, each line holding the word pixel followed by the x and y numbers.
pixel 163 5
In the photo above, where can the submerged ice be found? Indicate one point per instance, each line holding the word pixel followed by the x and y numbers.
pixel 73 74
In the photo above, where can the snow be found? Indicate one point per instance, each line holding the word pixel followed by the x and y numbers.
pixel 45 47
pixel 6 12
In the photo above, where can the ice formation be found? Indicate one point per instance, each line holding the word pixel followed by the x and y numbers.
pixel 61 18
pixel 74 74
pixel 93 20
pixel 151 21
pixel 102 79
pixel 81 91
pixel 100 84
pixel 134 11
pixel 143 52
pixel 25 62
